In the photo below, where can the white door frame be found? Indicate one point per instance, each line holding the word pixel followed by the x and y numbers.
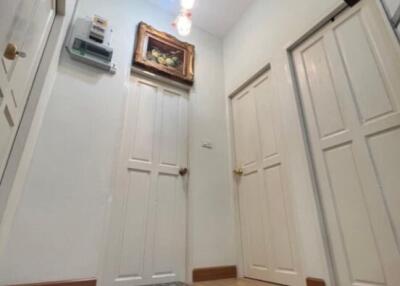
pixel 102 265
pixel 31 121
pixel 232 163
pixel 233 180
pixel 335 11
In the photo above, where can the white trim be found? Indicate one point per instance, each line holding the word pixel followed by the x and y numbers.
pixel 159 78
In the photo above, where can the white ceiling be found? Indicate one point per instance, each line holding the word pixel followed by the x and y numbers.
pixel 213 16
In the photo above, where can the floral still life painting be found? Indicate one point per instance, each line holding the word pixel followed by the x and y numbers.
pixel 163 54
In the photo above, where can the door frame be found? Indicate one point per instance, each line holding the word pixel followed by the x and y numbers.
pixel 333 12
pixel 28 131
pixel 266 69
pixel 102 270
pixel 232 165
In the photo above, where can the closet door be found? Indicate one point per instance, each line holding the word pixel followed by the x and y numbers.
pixel 350 90
pixel 147 234
pixel 24 25
pixel 268 234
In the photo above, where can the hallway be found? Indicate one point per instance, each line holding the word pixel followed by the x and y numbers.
pixel 148 142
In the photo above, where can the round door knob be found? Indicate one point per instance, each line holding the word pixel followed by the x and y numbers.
pixel 238 171
pixel 12 52
pixel 183 171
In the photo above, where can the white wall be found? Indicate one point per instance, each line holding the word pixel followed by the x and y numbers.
pixel 260 37
pixel 58 229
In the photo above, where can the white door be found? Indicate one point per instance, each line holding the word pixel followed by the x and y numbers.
pixel 268 234
pixel 349 78
pixel 25 24
pixel 147 235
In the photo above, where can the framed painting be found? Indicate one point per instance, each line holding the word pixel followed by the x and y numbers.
pixel 164 54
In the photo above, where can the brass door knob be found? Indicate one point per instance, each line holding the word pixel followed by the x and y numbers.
pixel 183 171
pixel 12 52
pixel 238 171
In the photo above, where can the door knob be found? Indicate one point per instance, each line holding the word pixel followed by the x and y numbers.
pixel 183 171
pixel 12 52
pixel 238 171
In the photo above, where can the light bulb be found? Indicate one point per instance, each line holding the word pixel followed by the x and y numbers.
pixel 183 24
pixel 187 4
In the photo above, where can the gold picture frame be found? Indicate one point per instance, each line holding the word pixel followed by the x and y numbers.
pixel 164 54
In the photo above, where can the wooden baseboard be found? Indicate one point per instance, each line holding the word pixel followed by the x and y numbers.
pixel 86 282
pixel 315 282
pixel 214 273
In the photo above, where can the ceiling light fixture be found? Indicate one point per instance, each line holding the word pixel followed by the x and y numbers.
pixel 187 4
pixel 183 23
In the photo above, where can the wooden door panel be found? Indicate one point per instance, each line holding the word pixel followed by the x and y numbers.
pixel 135 221
pixel 356 164
pixel 264 101
pixel 143 131
pixel 165 235
pixel 254 223
pixel 246 135
pixel 169 147
pixel 321 89
pixel 385 151
pixel 276 203
pixel 356 231
pixel 368 83
pixel 147 238
pixel 268 235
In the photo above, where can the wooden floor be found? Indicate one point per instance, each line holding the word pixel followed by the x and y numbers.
pixel 233 282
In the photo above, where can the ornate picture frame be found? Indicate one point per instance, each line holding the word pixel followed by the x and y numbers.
pixel 164 54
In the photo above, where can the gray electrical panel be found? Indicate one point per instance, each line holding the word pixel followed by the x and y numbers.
pixel 90 42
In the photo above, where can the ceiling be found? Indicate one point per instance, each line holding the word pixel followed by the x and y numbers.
pixel 213 16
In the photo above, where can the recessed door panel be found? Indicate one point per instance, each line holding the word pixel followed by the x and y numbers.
pixel 265 110
pixel 135 219
pixel 356 231
pixel 268 236
pixel 254 221
pixel 170 129
pixel 246 129
pixel 276 202
pixel 142 147
pixel 320 84
pixel 370 90
pixel 357 169
pixel 166 216
pixel 385 151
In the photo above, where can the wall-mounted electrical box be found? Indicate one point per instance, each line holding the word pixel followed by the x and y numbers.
pixel 90 42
